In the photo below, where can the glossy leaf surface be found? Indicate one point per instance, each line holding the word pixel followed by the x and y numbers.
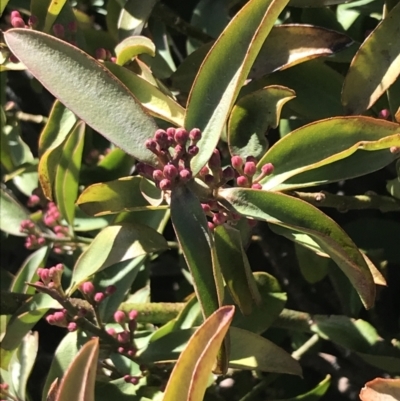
pixel 252 116
pixel 79 379
pixel 192 231
pixel 293 213
pixel 67 175
pixel 115 244
pixel 218 83
pixel 194 366
pixel 324 142
pixel 117 114
pixel 12 213
pixel 375 66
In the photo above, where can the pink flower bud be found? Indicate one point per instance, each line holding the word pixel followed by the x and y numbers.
pixel 219 218
pixel 59 31
pixel 242 181
pixel 110 289
pixel 256 186
pixel 33 21
pixel 41 241
pixel 127 378
pixel 179 151
pixel 72 326
pixel 99 297
pixel 195 135
pixel 132 352
pixel 17 22
pixel 170 172
pixel 123 337
pixel 181 136
pixel 204 171
pixel 211 226
pixel 185 175
pixel 165 185
pixel 113 59
pixel 161 138
pixel 193 150
pixel 13 59
pixel 111 331
pixel 237 162
pixel 158 175
pixel 121 350
pixel 87 288
pixel 120 317
pixel 59 267
pixel 206 208
pixel 15 14
pixel 151 144
pixel 101 53
pixel 44 275
pixel 133 314
pixel 72 26
pixel 267 168
pixel 250 169
pixel 215 160
pixel 33 200
pixel 394 149
pixel 50 319
pixel 171 133
pixel 134 380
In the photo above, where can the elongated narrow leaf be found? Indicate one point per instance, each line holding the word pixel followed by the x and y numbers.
pixel 67 175
pixel 111 197
pixel 194 366
pixel 76 79
pixel 236 268
pixel 252 116
pixel 53 10
pixel 153 99
pixel 321 143
pixel 192 231
pixel 251 351
pixel 293 213
pixel 115 244
pixel 79 380
pixel 133 46
pixel 375 66
pixel 218 81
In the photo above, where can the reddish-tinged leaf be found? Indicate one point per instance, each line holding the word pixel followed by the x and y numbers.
pixel 381 390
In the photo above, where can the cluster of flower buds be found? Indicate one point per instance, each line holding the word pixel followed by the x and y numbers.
pixel 95 297
pixel 34 239
pixel 174 149
pixel 104 55
pixel 218 214
pixel 67 33
pixel 246 172
pixel 17 21
pixel 51 277
pixel 125 337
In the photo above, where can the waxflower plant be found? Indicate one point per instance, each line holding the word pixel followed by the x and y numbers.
pixel 206 165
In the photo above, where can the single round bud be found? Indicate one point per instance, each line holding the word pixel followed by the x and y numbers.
pixel 171 132
pixel 59 31
pixel 170 172
pixel 134 380
pixel 120 317
pixel 41 241
pixel 195 135
pixel 72 326
pixel 256 186
pixel 123 337
pixel 15 14
pixel 193 150
pixel 44 275
pixel 131 352
pixel 206 208
pixel 219 218
pixel 185 175
pixel 17 22
pixel 158 175
pixel 204 171
pixel 87 288
pixel 242 181
pixel 179 151
pixel 161 138
pixel 111 289
pixel 151 144
pixel 50 319
pixel 228 173
pixel 127 378
pixel 99 297
pixel 250 169
pixel 267 168
pixel 101 54
pixel 215 160
pixel 111 332
pixel 237 162
pixel 121 350
pixel 33 21
pixel 165 185
pixel 133 314
pixel 181 136
pixel 33 200
pixel 211 226
pixel 394 149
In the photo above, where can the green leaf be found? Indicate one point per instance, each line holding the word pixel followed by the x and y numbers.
pixel 27 272
pixel 218 82
pixel 63 356
pixel 53 10
pixel 194 366
pixel 315 3
pixel 192 231
pixel 291 44
pixel 313 267
pixel 3 5
pixel 332 140
pixel 253 352
pixel 315 394
pixel 12 213
pixel 153 99
pixel 115 244
pixel 79 379
pixel 293 213
pixel 67 175
pixel 375 66
pixel 251 117
pixel 132 47
pixel 236 268
pixel 22 362
pixel 117 114
pixel 116 196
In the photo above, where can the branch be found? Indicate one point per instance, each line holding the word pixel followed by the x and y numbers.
pixel 344 203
